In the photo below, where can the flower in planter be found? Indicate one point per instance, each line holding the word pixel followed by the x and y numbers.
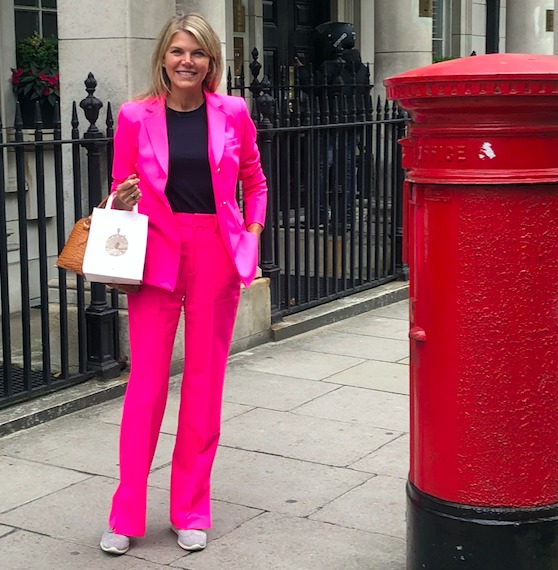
pixel 36 75
pixel 33 83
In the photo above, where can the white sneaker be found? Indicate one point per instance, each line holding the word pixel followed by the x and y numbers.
pixel 115 543
pixel 190 539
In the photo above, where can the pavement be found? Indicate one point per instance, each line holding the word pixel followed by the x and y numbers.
pixel 310 473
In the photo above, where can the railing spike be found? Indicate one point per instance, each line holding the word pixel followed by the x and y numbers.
pixel 37 117
pixel 18 121
pixel 56 121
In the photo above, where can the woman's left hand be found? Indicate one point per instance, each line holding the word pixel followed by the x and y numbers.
pixel 255 229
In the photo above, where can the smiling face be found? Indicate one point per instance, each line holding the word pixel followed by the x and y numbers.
pixel 186 65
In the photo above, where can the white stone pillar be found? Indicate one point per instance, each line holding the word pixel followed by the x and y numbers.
pixel 403 39
pixel 7 61
pixel 113 39
pixel 526 27
pixel 364 24
pixel 344 10
pixel 219 13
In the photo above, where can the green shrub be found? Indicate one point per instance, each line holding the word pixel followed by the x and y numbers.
pixel 36 75
pixel 37 51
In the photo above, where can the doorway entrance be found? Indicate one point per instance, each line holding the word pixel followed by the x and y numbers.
pixel 289 32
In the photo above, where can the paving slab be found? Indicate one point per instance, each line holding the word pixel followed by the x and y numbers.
pixel 159 543
pixel 111 412
pixel 4 530
pixel 361 407
pixel 392 459
pixel 378 506
pixel 21 548
pixel 24 481
pixel 372 324
pixel 275 542
pixel 331 342
pixel 292 362
pixel 74 442
pixel 375 375
pixel 271 391
pixel 79 514
pixel 271 483
pixel 399 310
pixel 314 439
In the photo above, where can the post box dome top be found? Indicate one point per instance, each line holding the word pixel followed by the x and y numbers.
pixel 479 75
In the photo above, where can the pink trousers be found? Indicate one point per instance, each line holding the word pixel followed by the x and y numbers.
pixel 208 290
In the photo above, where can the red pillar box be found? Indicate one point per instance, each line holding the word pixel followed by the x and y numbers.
pixel 481 158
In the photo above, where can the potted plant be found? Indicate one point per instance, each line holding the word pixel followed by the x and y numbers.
pixel 36 77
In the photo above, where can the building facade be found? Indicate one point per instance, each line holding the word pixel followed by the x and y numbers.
pixel 113 38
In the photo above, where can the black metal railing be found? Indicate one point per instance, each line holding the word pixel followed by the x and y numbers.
pixel 56 331
pixel 335 185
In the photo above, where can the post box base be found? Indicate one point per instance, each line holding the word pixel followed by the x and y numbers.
pixel 449 536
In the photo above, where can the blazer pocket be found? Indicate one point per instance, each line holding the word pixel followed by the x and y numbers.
pixel 231 143
pixel 239 218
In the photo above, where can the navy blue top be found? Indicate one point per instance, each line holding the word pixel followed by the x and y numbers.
pixel 189 187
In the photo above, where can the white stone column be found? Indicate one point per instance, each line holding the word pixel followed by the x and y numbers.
pixel 344 10
pixel 7 61
pixel 526 27
pixel 113 39
pixel 364 24
pixel 255 36
pixel 403 40
pixel 219 13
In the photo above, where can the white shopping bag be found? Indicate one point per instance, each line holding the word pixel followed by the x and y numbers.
pixel 116 245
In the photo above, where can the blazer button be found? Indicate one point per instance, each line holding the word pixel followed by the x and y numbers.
pixel 218 170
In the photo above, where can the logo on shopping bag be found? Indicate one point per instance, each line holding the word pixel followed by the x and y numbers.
pixel 116 244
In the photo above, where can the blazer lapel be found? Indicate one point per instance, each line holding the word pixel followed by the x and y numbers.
pixel 156 127
pixel 216 123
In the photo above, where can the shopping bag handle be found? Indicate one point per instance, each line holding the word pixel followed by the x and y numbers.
pixel 106 202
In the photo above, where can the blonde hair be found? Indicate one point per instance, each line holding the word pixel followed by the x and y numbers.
pixel 204 34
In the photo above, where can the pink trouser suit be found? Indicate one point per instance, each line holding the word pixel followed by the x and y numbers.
pixel 194 263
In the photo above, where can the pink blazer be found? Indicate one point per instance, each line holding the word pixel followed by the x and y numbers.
pixel 141 148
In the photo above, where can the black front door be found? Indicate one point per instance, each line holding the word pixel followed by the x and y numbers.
pixel 289 32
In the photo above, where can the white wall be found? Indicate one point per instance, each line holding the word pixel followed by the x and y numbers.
pixel 526 27
pixel 364 27
pixel 401 43
pixel 219 13
pixel 7 61
pixel 111 38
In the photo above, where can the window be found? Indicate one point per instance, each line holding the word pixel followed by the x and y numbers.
pixel 35 16
pixel 441 29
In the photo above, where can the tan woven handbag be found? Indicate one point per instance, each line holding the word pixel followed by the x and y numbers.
pixel 73 252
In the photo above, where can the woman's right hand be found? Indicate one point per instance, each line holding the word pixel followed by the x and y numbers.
pixel 128 193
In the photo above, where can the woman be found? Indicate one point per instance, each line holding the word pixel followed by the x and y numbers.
pixel 178 153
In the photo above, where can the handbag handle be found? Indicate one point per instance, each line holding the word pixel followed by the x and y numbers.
pixel 102 204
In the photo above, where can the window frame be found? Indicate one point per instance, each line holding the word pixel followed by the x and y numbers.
pixel 441 29
pixel 39 9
